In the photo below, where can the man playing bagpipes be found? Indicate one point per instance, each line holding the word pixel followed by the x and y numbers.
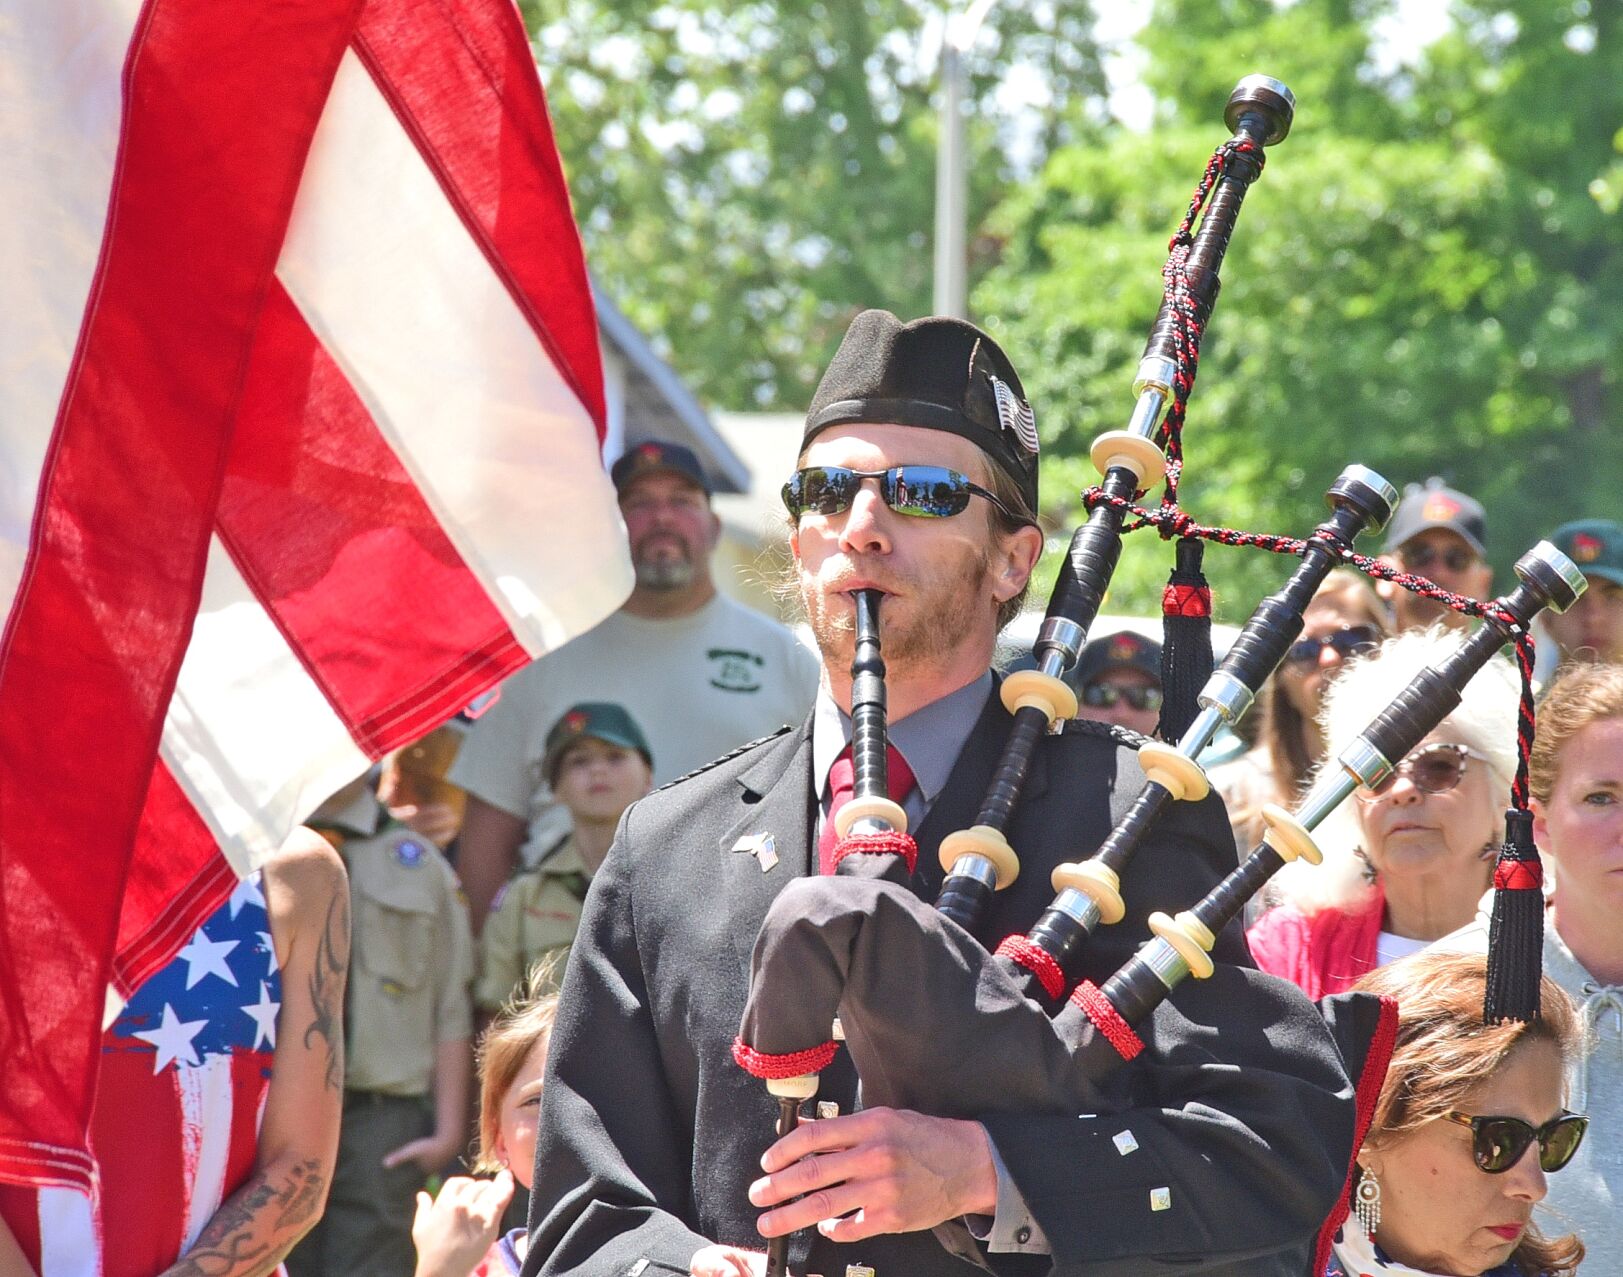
pixel 917 480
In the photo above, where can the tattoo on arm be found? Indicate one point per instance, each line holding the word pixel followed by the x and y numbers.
pixel 327 990
pixel 244 1239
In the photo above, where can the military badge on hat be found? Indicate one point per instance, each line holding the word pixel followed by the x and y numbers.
pixel 935 373
pixel 1440 507
pixel 1015 414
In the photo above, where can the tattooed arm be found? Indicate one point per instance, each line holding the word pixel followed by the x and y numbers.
pixel 307 896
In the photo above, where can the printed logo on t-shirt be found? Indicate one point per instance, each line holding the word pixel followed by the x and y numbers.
pixel 732 670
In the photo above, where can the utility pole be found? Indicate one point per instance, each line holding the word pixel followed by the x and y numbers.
pixel 951 167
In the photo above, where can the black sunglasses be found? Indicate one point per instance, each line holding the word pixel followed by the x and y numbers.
pixel 925 492
pixel 1435 769
pixel 1456 557
pixel 1497 1143
pixel 1106 695
pixel 1349 641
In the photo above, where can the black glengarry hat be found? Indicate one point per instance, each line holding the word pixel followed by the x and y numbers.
pixel 937 373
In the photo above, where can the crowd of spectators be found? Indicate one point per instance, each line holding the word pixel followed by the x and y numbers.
pixel 680 675
pixel 470 853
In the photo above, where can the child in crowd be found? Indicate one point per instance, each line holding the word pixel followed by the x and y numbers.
pixel 597 763
pixel 457 1233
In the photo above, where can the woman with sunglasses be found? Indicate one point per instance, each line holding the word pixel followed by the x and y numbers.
pixel 1468 1125
pixel 1343 619
pixel 1407 865
pixel 1577 784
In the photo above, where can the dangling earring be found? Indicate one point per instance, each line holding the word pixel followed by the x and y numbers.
pixel 1367 1202
pixel 1369 872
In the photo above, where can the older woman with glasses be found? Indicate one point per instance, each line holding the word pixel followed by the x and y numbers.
pixel 1407 865
pixel 1468 1125
pixel 1343 619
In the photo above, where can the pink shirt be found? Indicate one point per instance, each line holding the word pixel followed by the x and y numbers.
pixel 1324 952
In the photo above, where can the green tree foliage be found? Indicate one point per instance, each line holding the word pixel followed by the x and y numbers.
pixel 748 176
pixel 1423 280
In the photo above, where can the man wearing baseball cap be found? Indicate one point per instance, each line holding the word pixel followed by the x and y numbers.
pixel 699 672
pixel 1439 533
pixel 1592 628
pixel 1118 680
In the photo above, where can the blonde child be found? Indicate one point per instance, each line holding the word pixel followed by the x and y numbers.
pixel 458 1233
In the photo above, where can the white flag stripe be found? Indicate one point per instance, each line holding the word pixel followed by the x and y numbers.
pixel 68 1245
pixel 205 1093
pixel 253 742
pixel 394 287
pixel 57 152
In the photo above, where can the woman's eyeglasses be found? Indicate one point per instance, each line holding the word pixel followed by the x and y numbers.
pixel 1497 1143
pixel 1107 695
pixel 1434 769
pixel 1351 641
pixel 924 492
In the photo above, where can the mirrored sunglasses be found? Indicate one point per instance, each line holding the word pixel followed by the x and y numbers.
pixel 923 492
pixel 1497 1143
pixel 1349 641
pixel 1421 558
pixel 1109 695
pixel 1434 769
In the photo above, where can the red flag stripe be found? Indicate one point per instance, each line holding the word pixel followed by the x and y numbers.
pixel 462 80
pixel 396 630
pixel 21 1213
pixel 148 1239
pixel 96 633
pixel 167 896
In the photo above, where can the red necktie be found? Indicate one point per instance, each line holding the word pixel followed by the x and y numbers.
pixel 899 780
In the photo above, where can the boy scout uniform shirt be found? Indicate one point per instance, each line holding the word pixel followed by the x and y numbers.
pixel 411 962
pixel 536 915
pixel 699 686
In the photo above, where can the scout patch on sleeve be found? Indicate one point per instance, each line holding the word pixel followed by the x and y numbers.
pixel 409 854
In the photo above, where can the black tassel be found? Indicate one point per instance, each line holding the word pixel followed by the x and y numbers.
pixel 1186 648
pixel 1516 936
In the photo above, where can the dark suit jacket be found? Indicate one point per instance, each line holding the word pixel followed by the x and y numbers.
pixel 650 1134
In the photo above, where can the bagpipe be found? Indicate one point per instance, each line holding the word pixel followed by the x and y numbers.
pixel 935 1022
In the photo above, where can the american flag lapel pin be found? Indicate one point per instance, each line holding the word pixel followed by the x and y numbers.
pixel 764 847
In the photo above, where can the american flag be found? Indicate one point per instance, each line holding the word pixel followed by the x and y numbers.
pixel 300 419
pixel 184 1071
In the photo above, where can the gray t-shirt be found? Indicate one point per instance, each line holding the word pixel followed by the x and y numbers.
pixel 698 685
pixel 1586 1196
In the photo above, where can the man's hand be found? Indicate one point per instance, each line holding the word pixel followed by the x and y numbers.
pixel 726 1261
pixel 430 1153
pixel 884 1170
pixel 437 822
pixel 453 1232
